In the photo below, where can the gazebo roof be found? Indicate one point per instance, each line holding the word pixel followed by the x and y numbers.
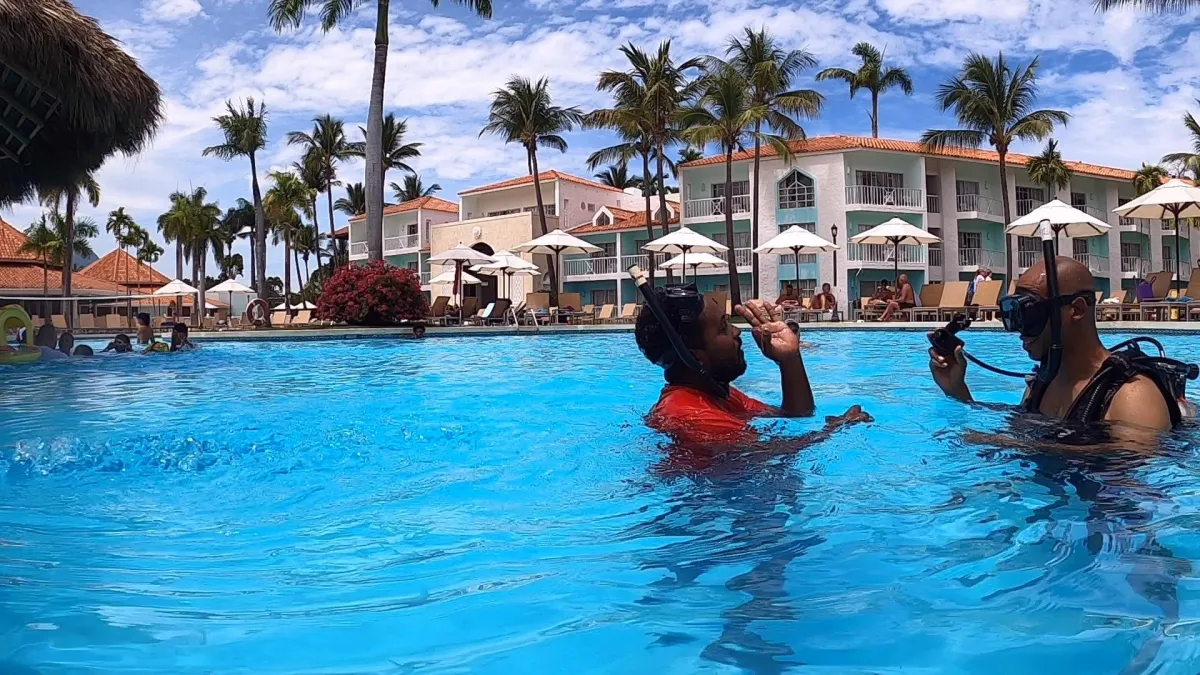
pixel 69 97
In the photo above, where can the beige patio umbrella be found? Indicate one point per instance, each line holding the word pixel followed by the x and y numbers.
pixel 896 232
pixel 1173 200
pixel 794 241
pixel 505 265
pixel 179 289
pixel 458 256
pixel 705 261
pixel 684 241
pixel 556 243
pixel 1063 218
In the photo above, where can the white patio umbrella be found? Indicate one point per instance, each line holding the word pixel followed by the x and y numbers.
pixel 231 286
pixel 447 277
pixel 178 289
pixel 1172 200
pixel 794 241
pixel 1063 218
pixel 895 232
pixel 556 243
pixel 706 261
pixel 458 256
pixel 684 241
pixel 505 265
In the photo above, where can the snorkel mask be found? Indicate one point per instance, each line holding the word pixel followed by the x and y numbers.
pixel 1027 313
pixel 687 304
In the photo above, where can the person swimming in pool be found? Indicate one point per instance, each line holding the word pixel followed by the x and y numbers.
pixel 703 407
pixel 179 338
pixel 120 344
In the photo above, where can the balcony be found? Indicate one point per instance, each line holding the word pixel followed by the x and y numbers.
pixel 1098 214
pixel 971 259
pixel 870 196
pixel 589 267
pixel 933 203
pixel 358 250
pixel 977 206
pixel 1096 264
pixel 1138 225
pixel 1168 227
pixel 714 207
pixel 1185 269
pixel 882 256
pixel 1134 267
pixel 1026 206
pixel 935 256
pixel 805 259
pixel 425 278
pixel 1027 259
pixel 742 257
pixel 394 245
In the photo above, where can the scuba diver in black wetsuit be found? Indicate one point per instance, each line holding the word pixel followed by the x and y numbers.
pixel 1078 379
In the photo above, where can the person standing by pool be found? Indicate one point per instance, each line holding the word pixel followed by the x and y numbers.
pixel 1137 404
pixel 703 407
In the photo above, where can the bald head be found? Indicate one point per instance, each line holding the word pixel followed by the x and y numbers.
pixel 1073 277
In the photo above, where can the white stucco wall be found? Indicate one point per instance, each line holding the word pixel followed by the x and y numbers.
pixel 500 233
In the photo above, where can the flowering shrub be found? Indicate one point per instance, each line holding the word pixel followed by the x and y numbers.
pixel 375 295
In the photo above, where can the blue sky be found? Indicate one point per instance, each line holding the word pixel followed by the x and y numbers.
pixel 1126 77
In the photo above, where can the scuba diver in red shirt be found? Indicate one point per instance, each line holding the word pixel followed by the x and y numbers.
pixel 700 352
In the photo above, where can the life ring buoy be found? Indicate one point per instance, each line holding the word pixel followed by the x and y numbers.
pixel 26 353
pixel 257 312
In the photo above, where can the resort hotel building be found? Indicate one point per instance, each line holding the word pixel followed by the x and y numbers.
pixel 835 186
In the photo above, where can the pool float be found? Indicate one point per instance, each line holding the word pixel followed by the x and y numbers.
pixel 256 312
pixel 26 353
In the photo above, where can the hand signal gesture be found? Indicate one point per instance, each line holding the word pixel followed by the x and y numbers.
pixel 773 336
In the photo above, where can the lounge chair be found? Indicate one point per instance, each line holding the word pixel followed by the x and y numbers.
pixel 36 320
pixel 114 322
pixel 59 321
pixel 86 322
pixel 499 313
pixel 987 298
pixel 480 317
pixel 437 311
pixel 953 301
pixel 208 323
pixel 302 318
pixel 628 313
pixel 1111 311
pixel 931 300
pixel 1156 308
pixel 607 314
pixel 470 306
pixel 234 321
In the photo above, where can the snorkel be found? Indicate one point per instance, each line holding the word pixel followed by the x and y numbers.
pixel 682 354
pixel 1049 368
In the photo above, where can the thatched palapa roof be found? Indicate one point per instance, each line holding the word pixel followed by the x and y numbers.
pixel 69 96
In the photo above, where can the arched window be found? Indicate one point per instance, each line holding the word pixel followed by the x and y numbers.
pixel 796 191
pixel 603 219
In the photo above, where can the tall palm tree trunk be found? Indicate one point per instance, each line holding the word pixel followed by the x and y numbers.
pixel 254 265
pixel 287 271
pixel 197 309
pixel 754 215
pixel 735 288
pixel 45 285
pixel 296 259
pixel 874 117
pixel 1008 263
pixel 317 226
pixel 662 199
pixel 375 173
pixel 260 232
pixel 68 254
pixel 649 220
pixel 541 209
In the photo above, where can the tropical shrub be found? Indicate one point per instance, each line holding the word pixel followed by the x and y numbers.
pixel 378 294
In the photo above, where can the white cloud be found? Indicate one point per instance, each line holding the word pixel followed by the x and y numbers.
pixel 171 10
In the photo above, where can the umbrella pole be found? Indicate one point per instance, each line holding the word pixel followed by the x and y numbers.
pixel 896 256
pixel 1178 277
pixel 796 260
pixel 685 250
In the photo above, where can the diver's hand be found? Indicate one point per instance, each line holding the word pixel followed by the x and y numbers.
pixel 773 336
pixel 853 415
pixel 950 373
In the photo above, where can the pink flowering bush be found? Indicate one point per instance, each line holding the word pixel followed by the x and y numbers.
pixel 374 295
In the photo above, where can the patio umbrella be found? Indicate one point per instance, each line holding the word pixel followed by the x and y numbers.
pixel 447 277
pixel 895 232
pixel 1173 200
pixel 683 241
pixel 458 256
pixel 72 96
pixel 178 289
pixel 506 264
pixel 231 286
pixel 1063 218
pixel 796 240
pixel 556 243
pixel 706 261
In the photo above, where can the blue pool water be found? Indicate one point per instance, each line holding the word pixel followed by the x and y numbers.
pixel 495 505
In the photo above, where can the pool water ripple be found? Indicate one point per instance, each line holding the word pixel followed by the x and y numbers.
pixel 497 506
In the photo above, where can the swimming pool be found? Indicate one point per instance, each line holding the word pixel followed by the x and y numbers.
pixel 495 505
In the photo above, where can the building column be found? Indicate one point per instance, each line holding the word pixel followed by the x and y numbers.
pixel 768 226
pixel 620 269
pixel 1114 238
pixel 948 185
pixel 1012 238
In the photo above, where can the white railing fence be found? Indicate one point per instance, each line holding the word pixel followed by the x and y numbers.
pixel 935 256
pixel 1135 264
pixel 1095 263
pixel 715 206
pixel 1027 259
pixel 912 198
pixel 577 267
pixel 1026 206
pixel 980 257
pixel 979 204
pixel 933 203
pixel 358 248
pixel 1141 225
pixel 883 253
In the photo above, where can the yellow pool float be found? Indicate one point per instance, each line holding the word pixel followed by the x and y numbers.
pixel 14 316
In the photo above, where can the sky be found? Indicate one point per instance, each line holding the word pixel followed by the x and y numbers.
pixel 1125 77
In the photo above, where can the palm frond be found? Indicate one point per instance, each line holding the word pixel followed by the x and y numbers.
pixel 953 138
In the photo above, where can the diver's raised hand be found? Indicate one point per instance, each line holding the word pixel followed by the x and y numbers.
pixel 950 373
pixel 773 336
pixel 853 415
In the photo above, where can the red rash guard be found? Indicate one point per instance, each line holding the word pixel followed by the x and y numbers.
pixel 692 416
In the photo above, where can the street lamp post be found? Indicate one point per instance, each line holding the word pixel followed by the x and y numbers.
pixel 833 229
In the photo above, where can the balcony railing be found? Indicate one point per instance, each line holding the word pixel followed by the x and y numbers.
pixel 1027 259
pixel 1168 226
pixel 1096 264
pixel 741 256
pixel 933 203
pixel 1141 225
pixel 973 258
pixel 1185 268
pixel 805 259
pixel 1135 265
pixel 979 204
pixel 715 206
pixel 935 256
pixel 884 253
pixel 1096 213
pixel 358 249
pixel 1026 206
pixel 401 242
pixel 580 267
pixel 870 195
pixel 425 278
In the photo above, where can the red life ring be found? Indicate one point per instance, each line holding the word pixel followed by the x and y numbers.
pixel 257 312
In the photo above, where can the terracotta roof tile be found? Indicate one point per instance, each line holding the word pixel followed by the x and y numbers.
pixel 542 178
pixel 428 203
pixel 632 221
pixel 11 239
pixel 821 144
pixel 28 276
pixel 342 232
pixel 120 267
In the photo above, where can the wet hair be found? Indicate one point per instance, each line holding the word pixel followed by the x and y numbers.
pixel 45 336
pixel 66 341
pixel 180 328
pixel 653 340
pixel 143 318
pixel 84 350
pixel 121 337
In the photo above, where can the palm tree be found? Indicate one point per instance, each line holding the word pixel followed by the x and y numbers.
pixel 148 251
pixel 245 132
pixel 412 189
pixel 395 150
pixel 1152 5
pixel 872 76
pixel 994 101
pixel 523 112
pixel 203 232
pixel 355 201
pixel 326 146
pixel 68 194
pixel 727 115
pixel 617 175
pixel 1187 160
pixel 119 224
pixel 1050 170
pixel 688 154
pixel 1149 177
pixel 288 196
pixel 173 226
pixel 769 69
pixel 305 242
pixel 289 14
pixel 238 223
pixel 133 238
pixel 313 174
pixel 41 240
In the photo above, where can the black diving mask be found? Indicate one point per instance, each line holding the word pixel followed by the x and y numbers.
pixel 1028 313
pixel 683 305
